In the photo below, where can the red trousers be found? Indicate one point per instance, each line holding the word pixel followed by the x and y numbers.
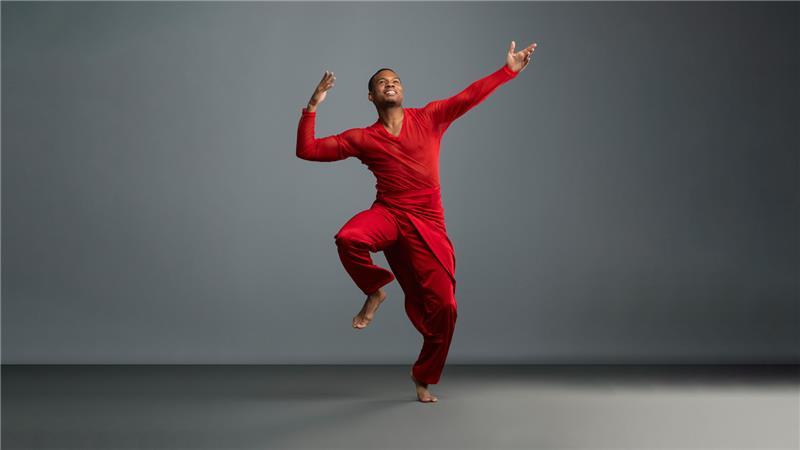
pixel 429 289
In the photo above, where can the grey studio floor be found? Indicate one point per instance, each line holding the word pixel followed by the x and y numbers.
pixel 374 406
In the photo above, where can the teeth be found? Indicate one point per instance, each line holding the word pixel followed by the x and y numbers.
pixel 390 92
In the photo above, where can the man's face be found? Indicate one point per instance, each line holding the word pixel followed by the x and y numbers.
pixel 386 89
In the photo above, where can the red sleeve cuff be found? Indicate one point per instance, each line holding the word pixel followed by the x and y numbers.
pixel 509 71
pixel 306 111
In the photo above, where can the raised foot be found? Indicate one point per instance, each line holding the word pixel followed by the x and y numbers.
pixel 423 394
pixel 371 304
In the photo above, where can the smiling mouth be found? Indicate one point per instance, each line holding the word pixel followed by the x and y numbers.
pixel 391 92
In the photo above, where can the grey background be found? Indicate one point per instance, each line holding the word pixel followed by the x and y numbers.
pixel 632 196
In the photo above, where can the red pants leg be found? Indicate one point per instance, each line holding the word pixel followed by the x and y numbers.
pixel 371 230
pixel 430 300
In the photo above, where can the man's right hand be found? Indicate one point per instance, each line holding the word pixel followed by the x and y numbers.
pixel 321 91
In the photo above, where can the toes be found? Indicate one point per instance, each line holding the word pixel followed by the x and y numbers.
pixel 359 322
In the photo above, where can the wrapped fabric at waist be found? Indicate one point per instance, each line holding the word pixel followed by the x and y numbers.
pixel 426 203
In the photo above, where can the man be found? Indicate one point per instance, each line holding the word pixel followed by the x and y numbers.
pixel 406 220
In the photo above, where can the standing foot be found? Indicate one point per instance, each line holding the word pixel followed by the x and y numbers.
pixel 423 394
pixel 364 317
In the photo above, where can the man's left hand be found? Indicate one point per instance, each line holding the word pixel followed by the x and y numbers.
pixel 516 61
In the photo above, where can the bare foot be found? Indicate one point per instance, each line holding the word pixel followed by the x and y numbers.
pixel 364 317
pixel 423 394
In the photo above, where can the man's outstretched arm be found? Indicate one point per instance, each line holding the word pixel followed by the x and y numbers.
pixel 445 111
pixel 329 148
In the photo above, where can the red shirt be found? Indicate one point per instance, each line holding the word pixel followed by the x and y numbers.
pixel 409 161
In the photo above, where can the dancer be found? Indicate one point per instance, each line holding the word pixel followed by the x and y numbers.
pixel 406 220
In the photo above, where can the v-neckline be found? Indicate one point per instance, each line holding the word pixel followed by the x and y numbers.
pixel 402 127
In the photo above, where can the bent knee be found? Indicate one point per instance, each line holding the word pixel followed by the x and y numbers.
pixel 448 308
pixel 350 238
pixel 452 308
pixel 443 296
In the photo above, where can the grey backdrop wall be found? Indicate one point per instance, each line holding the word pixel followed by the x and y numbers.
pixel 632 196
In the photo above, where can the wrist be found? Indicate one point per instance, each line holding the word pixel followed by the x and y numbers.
pixel 508 70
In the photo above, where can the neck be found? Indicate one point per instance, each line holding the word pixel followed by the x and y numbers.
pixel 391 115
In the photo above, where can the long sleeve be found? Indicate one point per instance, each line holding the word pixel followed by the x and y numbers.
pixel 329 148
pixel 443 112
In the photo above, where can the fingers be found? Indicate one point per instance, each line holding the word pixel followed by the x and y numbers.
pixel 327 76
pixel 529 49
pixel 524 53
pixel 327 80
pixel 527 52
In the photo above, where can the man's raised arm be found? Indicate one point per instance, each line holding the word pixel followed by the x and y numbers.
pixel 329 148
pixel 445 111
